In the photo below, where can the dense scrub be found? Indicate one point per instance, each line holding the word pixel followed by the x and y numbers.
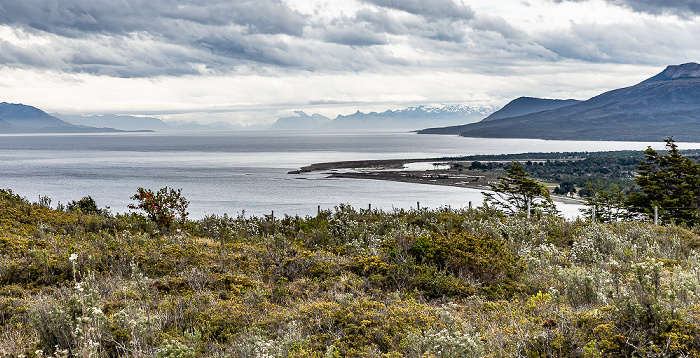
pixel 344 283
pixel 574 168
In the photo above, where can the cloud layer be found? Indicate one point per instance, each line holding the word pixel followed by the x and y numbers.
pixel 682 8
pixel 222 55
pixel 136 38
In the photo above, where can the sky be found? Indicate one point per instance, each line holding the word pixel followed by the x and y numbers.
pixel 251 61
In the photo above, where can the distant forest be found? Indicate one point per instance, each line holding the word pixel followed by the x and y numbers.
pixel 574 169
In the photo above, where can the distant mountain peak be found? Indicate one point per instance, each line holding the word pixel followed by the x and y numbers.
pixel 22 115
pixel 663 106
pixel 526 105
pixel 300 122
pixel 409 118
pixel 675 72
pixel 20 118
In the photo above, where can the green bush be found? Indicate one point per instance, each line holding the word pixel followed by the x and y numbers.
pixel 165 207
pixel 479 259
pixel 86 205
pixel 344 283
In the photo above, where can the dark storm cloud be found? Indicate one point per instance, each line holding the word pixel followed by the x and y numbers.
pixel 75 17
pixel 498 25
pixel 141 38
pixel 382 22
pixel 117 57
pixel 355 36
pixel 135 38
pixel 32 56
pixel 678 7
pixel 682 8
pixel 662 43
pixel 432 9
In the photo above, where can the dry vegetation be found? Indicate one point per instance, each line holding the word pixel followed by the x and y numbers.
pixel 345 283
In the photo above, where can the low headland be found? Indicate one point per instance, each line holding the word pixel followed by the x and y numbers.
pixel 565 174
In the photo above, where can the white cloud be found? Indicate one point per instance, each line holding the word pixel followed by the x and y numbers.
pixel 266 56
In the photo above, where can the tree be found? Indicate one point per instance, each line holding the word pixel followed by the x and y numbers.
pixel 670 182
pixel 86 205
pixel 610 203
pixel 565 188
pixel 165 207
pixel 515 193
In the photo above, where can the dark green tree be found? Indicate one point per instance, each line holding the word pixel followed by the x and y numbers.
pixel 517 192
pixel 670 182
pixel 86 205
pixel 610 203
pixel 565 188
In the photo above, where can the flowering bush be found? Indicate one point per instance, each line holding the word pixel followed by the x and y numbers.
pixel 175 349
pixel 164 207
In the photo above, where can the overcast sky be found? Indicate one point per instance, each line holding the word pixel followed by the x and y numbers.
pixel 248 61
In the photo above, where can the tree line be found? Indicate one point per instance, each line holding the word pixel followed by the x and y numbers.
pixel 667 186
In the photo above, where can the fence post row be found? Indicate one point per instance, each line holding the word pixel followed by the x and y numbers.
pixel 593 212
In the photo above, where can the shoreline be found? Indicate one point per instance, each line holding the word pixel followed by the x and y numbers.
pixel 458 174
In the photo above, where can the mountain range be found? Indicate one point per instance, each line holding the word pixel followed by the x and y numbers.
pixel 411 118
pixel 19 118
pixel 143 123
pixel 300 122
pixel 667 104
pixel 526 105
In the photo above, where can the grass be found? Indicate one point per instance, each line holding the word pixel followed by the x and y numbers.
pixel 344 283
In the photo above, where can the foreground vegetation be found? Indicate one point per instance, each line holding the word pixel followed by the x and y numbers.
pixel 345 283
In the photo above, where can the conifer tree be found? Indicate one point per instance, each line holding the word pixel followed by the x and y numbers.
pixel 670 182
pixel 517 191
pixel 610 203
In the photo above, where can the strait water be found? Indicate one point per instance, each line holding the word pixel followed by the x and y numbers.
pixel 230 172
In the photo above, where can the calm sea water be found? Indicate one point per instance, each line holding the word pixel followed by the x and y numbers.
pixel 232 172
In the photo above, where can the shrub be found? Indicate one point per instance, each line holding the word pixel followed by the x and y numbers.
pixel 164 207
pixel 344 283
pixel 481 258
pixel 445 343
pixel 175 349
pixel 86 205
